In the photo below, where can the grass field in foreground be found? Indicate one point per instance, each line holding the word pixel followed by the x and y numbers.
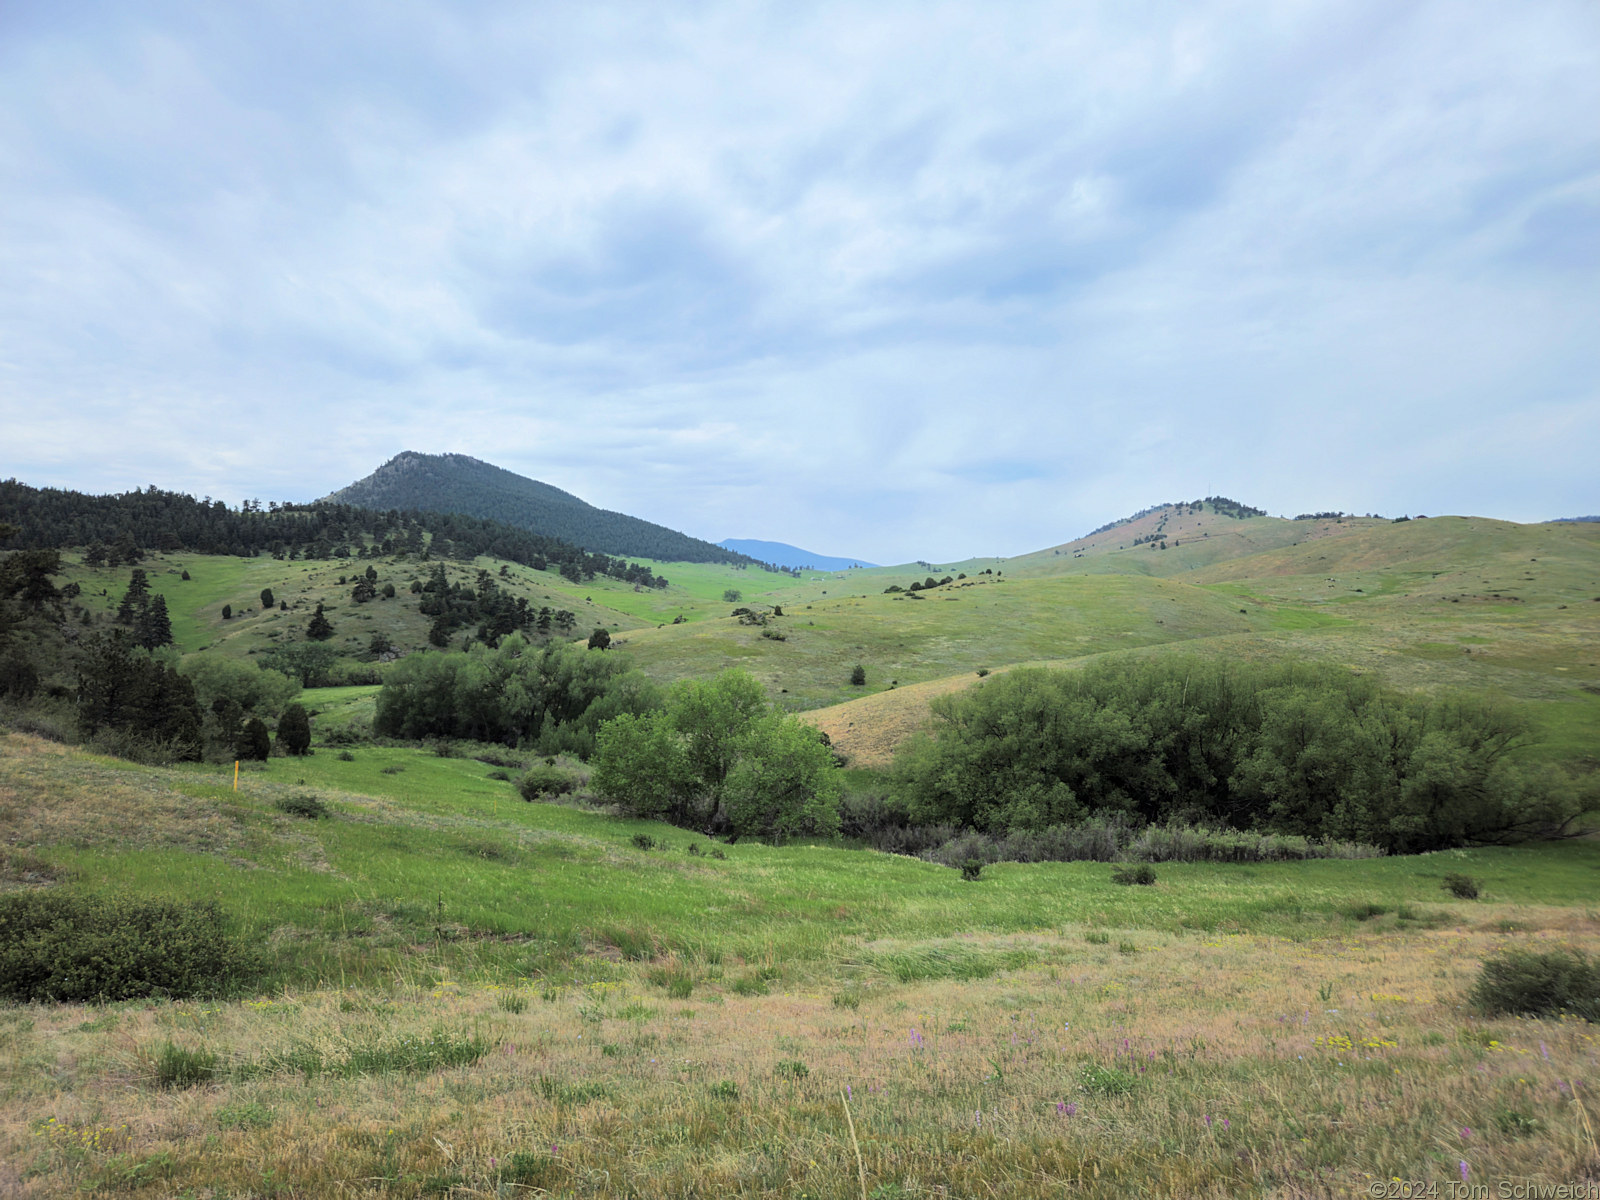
pixel 478 996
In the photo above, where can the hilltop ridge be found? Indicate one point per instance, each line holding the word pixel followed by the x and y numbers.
pixel 458 483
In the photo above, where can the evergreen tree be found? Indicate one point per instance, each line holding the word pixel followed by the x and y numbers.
pixel 254 745
pixel 267 599
pixel 294 730
pixel 227 612
pixel 320 628
pixel 153 627
pixel 134 601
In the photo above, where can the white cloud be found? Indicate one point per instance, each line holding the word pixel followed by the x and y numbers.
pixel 907 281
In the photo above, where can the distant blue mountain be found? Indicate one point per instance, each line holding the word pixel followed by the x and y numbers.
pixel 781 554
pixel 1572 520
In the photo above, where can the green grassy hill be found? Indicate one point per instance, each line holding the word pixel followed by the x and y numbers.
pixel 1444 602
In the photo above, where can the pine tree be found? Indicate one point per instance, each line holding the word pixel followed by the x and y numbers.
pixel 320 629
pixel 137 597
pixel 294 730
pixel 154 628
pixel 267 599
pixel 254 744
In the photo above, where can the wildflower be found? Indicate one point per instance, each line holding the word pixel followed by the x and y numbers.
pixel 1208 1120
pixel 1463 1170
pixel 1465 1132
pixel 1225 1122
pixel 1544 1051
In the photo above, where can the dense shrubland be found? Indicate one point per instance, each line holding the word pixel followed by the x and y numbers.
pixel 1307 750
pixel 553 697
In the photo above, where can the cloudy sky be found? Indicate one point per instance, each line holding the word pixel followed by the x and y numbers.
pixel 902 281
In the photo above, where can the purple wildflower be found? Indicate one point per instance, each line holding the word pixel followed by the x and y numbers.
pixel 1463 1170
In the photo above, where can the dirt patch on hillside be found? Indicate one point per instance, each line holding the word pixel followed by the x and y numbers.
pixel 870 729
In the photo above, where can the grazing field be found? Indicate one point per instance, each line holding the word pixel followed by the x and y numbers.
pixel 467 994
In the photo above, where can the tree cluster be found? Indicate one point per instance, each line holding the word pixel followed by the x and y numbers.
pixel 1312 750
pixel 553 697
pixel 718 760
pixel 122 689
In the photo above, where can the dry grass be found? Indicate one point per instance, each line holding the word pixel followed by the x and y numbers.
pixel 1194 1065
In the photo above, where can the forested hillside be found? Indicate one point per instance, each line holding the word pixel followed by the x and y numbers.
pixel 455 483
pixel 119 529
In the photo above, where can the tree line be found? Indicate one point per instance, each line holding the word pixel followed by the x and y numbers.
pixel 1313 750
pixel 122 529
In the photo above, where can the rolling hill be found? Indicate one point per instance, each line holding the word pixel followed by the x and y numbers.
pixel 455 483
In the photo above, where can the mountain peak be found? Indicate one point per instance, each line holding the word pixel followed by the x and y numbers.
pixel 459 483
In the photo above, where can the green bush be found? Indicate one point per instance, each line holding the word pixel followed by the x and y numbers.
pixel 302 804
pixel 60 947
pixel 1312 751
pixel 643 841
pixel 1539 983
pixel 540 781
pixel 971 869
pixel 1134 873
pixel 1463 886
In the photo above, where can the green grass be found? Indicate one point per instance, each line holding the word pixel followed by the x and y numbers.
pixel 438 855
pixel 470 992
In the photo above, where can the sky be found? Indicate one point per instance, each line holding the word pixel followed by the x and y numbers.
pixel 903 281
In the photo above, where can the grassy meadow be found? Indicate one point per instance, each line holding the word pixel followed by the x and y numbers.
pixel 472 995
pixel 464 994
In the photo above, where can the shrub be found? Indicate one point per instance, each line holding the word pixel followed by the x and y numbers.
pixel 1464 887
pixel 1539 983
pixel 858 675
pixel 1142 874
pixel 346 756
pixel 643 841
pixel 971 869
pixel 302 804
pixel 180 1067
pixel 59 947
pixel 541 781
